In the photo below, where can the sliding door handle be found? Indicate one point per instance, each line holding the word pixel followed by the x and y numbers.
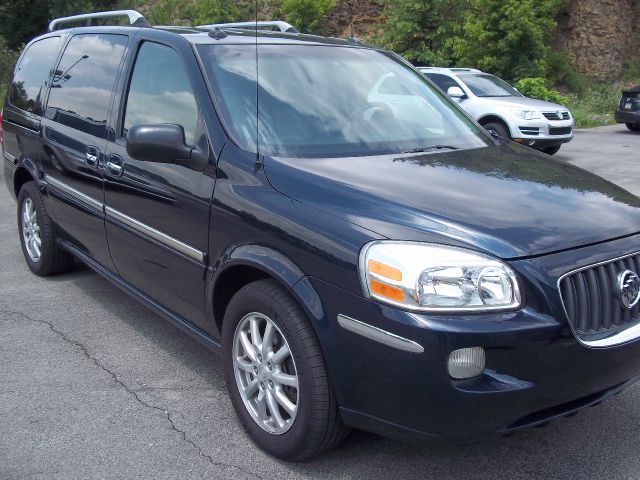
pixel 115 165
pixel 92 155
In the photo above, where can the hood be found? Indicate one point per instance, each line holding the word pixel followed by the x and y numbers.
pixel 506 200
pixel 525 103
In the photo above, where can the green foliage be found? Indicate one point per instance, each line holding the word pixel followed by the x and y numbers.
pixel 7 61
pixel 21 20
pixel 509 38
pixel 303 14
pixel 421 31
pixel 193 12
pixel 596 106
pixel 537 87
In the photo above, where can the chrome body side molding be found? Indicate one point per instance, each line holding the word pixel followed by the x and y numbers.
pixel 157 235
pixel 78 195
pixel 132 223
pixel 378 335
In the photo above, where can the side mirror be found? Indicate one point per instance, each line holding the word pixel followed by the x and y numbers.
pixel 164 143
pixel 455 92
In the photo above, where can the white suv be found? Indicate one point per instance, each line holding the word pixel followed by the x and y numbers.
pixel 500 108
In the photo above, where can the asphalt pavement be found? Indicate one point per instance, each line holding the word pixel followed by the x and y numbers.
pixel 94 385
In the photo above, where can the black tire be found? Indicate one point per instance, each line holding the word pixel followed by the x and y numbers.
pixel 498 128
pixel 634 127
pixel 317 426
pixel 53 260
pixel 551 150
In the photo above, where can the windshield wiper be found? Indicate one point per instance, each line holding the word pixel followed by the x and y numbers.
pixel 432 147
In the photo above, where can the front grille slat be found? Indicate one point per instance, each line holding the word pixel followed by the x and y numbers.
pixel 591 299
pixel 603 280
pixel 594 301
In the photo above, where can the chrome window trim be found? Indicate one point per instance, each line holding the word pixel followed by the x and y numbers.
pixel 625 336
pixel 157 235
pixel 78 195
pixel 378 335
pixel 142 228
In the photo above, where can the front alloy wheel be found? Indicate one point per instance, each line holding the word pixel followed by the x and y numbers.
pixel 265 373
pixel 276 375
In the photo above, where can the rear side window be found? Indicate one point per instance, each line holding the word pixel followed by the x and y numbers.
pixel 29 81
pixel 82 84
pixel 444 82
pixel 160 92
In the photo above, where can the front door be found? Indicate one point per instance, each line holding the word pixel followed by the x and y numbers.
pixel 158 214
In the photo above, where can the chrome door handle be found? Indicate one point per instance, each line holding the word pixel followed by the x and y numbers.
pixel 91 156
pixel 115 165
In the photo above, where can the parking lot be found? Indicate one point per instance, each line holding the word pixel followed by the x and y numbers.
pixel 93 385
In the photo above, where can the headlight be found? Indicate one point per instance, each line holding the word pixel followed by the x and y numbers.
pixel 526 114
pixel 436 278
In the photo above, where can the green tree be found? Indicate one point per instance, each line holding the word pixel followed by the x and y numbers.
pixel 510 38
pixel 421 31
pixel 303 14
pixel 21 20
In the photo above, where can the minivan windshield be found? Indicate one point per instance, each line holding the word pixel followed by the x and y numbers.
pixel 485 85
pixel 331 101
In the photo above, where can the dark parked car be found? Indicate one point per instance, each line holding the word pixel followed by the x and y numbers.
pixel 413 276
pixel 628 110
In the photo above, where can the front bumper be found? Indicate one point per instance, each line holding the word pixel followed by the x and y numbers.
pixel 536 369
pixel 543 133
pixel 627 116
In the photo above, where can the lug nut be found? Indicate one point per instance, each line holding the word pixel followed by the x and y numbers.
pixel 270 384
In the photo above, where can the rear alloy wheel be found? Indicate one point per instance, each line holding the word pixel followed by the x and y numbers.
pixel 276 374
pixel 634 127
pixel 37 235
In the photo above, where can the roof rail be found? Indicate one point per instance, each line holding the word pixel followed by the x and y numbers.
pixel 135 18
pixel 282 26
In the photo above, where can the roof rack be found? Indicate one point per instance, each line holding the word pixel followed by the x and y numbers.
pixel 135 18
pixel 282 26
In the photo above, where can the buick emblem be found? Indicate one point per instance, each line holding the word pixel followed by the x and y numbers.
pixel 629 288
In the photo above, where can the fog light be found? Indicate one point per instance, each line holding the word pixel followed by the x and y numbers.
pixel 466 362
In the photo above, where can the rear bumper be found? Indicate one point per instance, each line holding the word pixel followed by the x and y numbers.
pixel 9 167
pixel 627 116
pixel 536 370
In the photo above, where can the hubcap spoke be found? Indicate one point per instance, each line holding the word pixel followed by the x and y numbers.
pixel 284 402
pixel 281 354
pixel 249 349
pixel 274 410
pixel 265 373
pixel 285 379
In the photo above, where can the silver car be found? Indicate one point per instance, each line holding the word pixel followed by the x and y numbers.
pixel 500 108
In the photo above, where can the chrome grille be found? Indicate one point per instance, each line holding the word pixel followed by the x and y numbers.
pixel 591 299
pixel 556 115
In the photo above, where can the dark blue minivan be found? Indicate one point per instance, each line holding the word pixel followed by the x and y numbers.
pixel 358 250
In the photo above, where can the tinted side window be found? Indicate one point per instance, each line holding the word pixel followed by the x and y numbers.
pixel 160 92
pixel 82 83
pixel 442 81
pixel 29 82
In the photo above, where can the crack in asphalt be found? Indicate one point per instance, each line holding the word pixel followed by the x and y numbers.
pixel 132 392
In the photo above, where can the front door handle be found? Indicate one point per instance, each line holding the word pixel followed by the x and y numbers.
pixel 115 165
pixel 91 156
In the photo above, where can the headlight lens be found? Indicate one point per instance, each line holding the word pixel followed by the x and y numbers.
pixel 526 114
pixel 430 277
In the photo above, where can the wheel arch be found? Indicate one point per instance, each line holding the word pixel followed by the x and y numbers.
pixel 492 117
pixel 248 263
pixel 26 172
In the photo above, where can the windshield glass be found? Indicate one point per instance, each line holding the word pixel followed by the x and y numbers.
pixel 485 85
pixel 327 101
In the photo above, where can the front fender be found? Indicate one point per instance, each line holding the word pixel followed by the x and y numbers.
pixel 273 264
